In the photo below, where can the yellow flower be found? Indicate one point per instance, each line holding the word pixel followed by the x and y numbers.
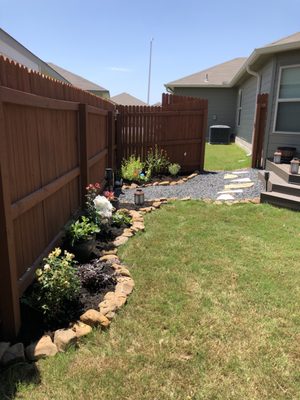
pixel 47 267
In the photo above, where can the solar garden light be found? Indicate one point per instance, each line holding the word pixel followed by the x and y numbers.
pixel 267 177
pixel 109 176
pixel 294 166
pixel 277 157
pixel 139 197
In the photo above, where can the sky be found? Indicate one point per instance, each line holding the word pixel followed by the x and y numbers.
pixel 108 42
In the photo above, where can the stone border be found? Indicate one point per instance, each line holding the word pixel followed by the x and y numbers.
pixel 52 343
pixel 112 302
pixel 162 183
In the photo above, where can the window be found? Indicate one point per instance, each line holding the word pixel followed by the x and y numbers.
pixel 287 115
pixel 239 109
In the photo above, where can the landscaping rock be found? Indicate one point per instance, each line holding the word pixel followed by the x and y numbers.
pixel 64 338
pixel 107 306
pixel 109 257
pixel 173 183
pixel 120 240
pixel 133 186
pixel 3 347
pixel 156 204
pixel 124 272
pixel 186 198
pixel 109 252
pixel 127 233
pixel 94 318
pixel 138 226
pixel 40 349
pixel 125 286
pixel 81 329
pixel 192 176
pixel 116 299
pixel 13 355
pixel 164 183
pixel 110 315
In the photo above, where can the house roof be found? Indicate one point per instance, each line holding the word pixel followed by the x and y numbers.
pixel 76 80
pixel 126 99
pixel 229 73
pixel 218 75
pixel 295 37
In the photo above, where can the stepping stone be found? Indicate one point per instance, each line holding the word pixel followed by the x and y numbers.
pixel 231 191
pixel 225 197
pixel 241 180
pixel 230 176
pixel 241 160
pixel 240 172
pixel 238 185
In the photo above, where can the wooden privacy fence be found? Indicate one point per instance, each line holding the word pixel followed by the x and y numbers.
pixel 54 140
pixel 178 126
pixel 259 130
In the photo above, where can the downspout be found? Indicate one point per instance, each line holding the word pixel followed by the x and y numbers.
pixel 258 77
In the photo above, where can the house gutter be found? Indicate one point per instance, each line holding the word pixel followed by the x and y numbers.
pixel 258 77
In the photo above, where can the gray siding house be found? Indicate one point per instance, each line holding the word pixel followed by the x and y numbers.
pixel 12 49
pixel 273 69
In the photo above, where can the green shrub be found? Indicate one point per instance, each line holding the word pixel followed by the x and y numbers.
pixel 174 169
pixel 132 168
pixel 81 230
pixel 157 161
pixel 57 286
pixel 119 219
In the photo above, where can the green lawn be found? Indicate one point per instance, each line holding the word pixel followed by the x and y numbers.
pixel 225 157
pixel 215 314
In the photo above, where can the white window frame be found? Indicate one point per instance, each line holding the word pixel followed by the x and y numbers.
pixel 239 108
pixel 278 100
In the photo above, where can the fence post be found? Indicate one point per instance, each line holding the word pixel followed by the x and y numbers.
pixel 83 151
pixel 10 319
pixel 203 135
pixel 110 139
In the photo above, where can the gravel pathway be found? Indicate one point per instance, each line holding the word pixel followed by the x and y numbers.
pixel 204 186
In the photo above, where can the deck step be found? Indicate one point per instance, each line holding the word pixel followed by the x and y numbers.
pixel 277 184
pixel 283 171
pixel 281 200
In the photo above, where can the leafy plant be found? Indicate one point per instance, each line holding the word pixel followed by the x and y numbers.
pixel 81 230
pixel 120 219
pixel 96 276
pixel 157 161
pixel 132 169
pixel 57 285
pixel 92 191
pixel 174 169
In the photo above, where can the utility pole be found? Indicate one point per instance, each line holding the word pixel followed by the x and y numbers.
pixel 149 76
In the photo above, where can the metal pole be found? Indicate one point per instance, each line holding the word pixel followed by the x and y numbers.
pixel 149 76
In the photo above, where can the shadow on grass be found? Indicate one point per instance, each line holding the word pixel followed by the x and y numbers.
pixel 15 374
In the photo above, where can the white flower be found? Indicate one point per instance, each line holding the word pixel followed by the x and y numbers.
pixel 47 267
pixel 103 206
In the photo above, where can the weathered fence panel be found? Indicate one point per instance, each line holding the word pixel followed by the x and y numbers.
pixel 54 140
pixel 178 127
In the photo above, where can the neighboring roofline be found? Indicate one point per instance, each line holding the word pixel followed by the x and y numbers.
pixel 191 85
pixel 35 56
pixel 254 56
